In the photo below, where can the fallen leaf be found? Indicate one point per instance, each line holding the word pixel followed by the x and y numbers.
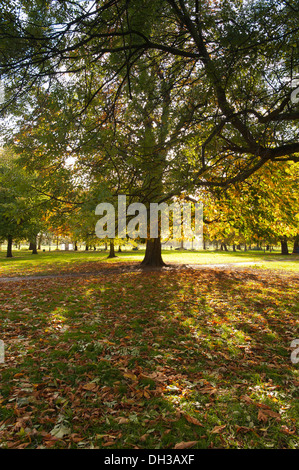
pixel 265 414
pixel 91 386
pixel 122 420
pixel 218 429
pixel 286 430
pixel 109 436
pixel 243 429
pixel 192 420
pixel 109 443
pixel 185 445
pixel 60 431
pixel 130 375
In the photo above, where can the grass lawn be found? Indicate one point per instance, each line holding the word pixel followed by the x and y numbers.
pixel 149 359
pixel 24 263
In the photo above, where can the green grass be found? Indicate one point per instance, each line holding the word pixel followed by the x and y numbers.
pixel 148 359
pixel 24 263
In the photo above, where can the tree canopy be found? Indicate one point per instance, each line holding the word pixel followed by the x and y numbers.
pixel 202 90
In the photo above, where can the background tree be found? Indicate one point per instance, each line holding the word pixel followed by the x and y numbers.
pixel 21 207
pixel 262 209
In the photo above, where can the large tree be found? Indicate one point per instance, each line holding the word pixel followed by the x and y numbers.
pixel 242 55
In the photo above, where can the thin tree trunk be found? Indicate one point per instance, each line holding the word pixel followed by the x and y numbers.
pixel 39 242
pixel 112 251
pixel 9 247
pixel 153 253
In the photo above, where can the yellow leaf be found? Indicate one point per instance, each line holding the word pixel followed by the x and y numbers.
pixel 130 375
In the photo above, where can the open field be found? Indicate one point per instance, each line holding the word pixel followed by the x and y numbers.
pixel 125 358
pixel 24 263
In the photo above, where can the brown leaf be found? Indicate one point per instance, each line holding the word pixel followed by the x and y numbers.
pixel 265 414
pixel 286 430
pixel 122 420
pixel 192 420
pixel 218 429
pixel 247 399
pixel 208 390
pixel 185 445
pixel 91 386
pixel 109 443
pixel 243 429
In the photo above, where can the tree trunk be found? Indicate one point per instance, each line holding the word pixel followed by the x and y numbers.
pixel 33 246
pixel 112 251
pixel 296 245
pixel 76 246
pixel 86 248
pixel 119 249
pixel 153 253
pixel 9 247
pixel 39 242
pixel 284 246
pixel 34 249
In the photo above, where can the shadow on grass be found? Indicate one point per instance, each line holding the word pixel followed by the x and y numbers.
pixel 150 359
